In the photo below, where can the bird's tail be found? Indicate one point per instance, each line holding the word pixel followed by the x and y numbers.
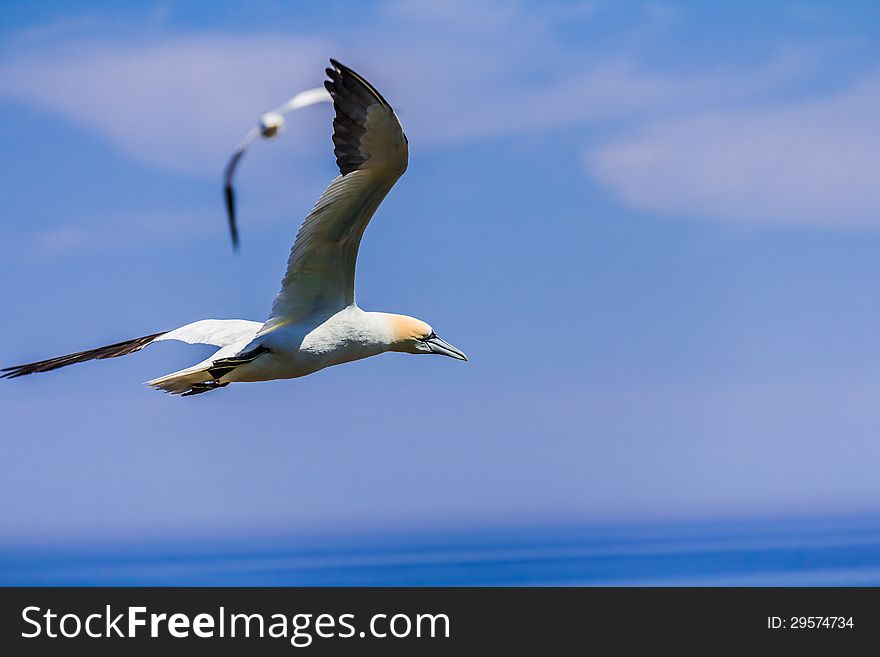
pixel 190 381
pixel 207 375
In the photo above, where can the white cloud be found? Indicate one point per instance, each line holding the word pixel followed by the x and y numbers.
pixel 503 69
pixel 812 162
pixel 610 90
pixel 178 104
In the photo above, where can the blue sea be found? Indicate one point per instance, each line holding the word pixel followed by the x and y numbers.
pixel 803 552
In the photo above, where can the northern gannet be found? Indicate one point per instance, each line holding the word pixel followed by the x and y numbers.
pixel 314 322
pixel 271 123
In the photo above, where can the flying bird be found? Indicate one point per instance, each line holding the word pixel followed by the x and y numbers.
pixel 271 123
pixel 314 322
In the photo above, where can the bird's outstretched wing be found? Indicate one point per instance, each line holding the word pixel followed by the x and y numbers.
pixel 302 99
pixel 371 152
pixel 217 332
pixel 228 176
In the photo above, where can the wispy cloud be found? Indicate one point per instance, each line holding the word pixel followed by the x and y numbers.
pixel 61 239
pixel 90 234
pixel 461 72
pixel 811 162
pixel 178 104
pixel 496 70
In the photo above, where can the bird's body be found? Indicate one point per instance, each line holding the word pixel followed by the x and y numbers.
pixel 295 349
pixel 304 347
pixel 315 322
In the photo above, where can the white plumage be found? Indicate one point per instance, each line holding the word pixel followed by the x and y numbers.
pixel 314 322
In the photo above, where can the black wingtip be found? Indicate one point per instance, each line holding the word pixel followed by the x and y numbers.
pixel 229 195
pixel 342 68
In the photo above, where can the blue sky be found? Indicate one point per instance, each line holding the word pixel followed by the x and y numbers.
pixel 653 227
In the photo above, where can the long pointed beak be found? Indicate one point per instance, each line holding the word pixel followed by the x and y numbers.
pixel 440 346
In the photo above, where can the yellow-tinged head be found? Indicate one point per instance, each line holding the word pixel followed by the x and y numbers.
pixel 413 336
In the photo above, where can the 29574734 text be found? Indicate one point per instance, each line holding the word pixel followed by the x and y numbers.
pixel 809 622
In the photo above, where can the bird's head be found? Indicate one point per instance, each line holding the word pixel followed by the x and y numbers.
pixel 413 336
pixel 271 124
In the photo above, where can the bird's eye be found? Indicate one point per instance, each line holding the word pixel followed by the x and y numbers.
pixel 432 336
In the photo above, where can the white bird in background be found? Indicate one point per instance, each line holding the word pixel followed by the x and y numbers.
pixel 314 322
pixel 271 123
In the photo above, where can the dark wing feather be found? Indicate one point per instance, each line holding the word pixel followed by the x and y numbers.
pixel 110 351
pixel 228 182
pixel 352 98
pixel 229 190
